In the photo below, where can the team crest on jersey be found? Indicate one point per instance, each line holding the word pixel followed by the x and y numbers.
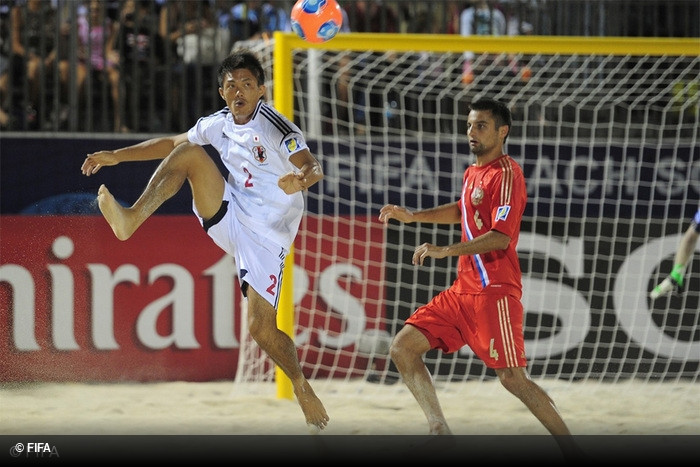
pixel 502 213
pixel 292 145
pixel 259 154
pixel 477 196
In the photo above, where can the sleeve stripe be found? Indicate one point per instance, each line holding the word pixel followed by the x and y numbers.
pixel 507 181
pixel 276 120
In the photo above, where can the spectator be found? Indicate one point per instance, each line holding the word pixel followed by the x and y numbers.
pixel 33 29
pixel 222 14
pixel 454 10
pixel 515 26
pixel 140 54
pixel 244 22
pixel 483 19
pixel 96 35
pixel 189 29
pixel 273 18
pixel 372 16
pixel 255 19
pixel 5 118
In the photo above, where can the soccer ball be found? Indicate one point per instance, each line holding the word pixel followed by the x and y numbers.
pixel 316 20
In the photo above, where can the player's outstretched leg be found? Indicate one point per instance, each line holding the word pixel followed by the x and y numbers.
pixel 117 216
pixel 262 325
pixel 406 351
pixel 186 162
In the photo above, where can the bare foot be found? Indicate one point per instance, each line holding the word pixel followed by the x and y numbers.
pixel 114 213
pixel 312 406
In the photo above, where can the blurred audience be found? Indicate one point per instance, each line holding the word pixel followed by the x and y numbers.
pixel 273 17
pixel 97 34
pixel 490 18
pixel 256 19
pixel 372 16
pixel 140 61
pixel 516 25
pixel 144 64
pixel 482 18
pixel 5 48
pixel 189 31
pixel 33 26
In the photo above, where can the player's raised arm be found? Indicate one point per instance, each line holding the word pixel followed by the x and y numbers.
pixel 445 214
pixel 155 148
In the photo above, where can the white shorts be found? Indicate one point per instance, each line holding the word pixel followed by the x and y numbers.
pixel 260 262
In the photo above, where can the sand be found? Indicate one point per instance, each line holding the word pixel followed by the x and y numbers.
pixel 355 408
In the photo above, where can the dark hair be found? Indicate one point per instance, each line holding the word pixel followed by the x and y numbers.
pixel 241 59
pixel 500 112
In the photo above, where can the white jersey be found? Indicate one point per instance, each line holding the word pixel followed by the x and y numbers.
pixel 256 154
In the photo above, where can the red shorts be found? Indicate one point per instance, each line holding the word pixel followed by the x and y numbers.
pixel 490 324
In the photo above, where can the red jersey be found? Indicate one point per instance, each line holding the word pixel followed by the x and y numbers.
pixel 493 198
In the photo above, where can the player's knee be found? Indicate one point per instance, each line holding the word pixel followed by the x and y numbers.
pixel 400 350
pixel 261 333
pixel 508 383
pixel 512 379
pixel 258 326
pixel 408 345
pixel 395 350
pixel 262 323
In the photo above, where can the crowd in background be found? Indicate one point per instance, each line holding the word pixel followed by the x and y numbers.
pixel 104 65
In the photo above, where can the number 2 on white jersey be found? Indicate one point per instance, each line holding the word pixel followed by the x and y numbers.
pixel 249 180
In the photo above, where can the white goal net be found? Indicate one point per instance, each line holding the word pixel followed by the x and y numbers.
pixel 609 145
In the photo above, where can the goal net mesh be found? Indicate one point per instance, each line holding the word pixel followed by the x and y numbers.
pixel 609 146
